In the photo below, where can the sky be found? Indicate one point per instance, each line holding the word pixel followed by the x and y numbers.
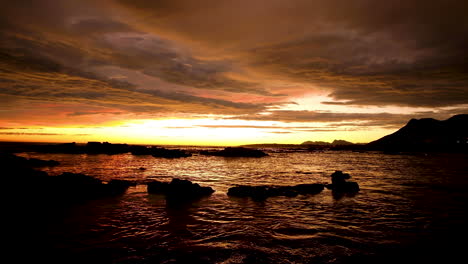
pixel 218 72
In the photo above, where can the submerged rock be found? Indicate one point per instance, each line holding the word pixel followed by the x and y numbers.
pixel 263 192
pixel 340 185
pixel 179 190
pixel 236 152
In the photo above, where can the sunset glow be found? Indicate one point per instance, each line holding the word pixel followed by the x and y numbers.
pixel 238 72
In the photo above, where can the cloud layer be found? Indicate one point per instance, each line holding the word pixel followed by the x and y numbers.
pixel 89 61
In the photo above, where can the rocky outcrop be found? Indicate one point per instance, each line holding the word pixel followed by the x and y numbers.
pixel 236 152
pixel 16 168
pixel 10 160
pixel 263 192
pixel 77 187
pixel 340 185
pixel 179 190
pixel 61 189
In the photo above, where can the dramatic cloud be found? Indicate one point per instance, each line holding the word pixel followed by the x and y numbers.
pixel 88 62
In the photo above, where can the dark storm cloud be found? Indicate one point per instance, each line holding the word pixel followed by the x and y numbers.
pixel 213 57
pixel 367 52
pixel 49 48
pixel 36 76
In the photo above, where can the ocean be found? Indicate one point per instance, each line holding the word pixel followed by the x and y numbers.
pixel 411 208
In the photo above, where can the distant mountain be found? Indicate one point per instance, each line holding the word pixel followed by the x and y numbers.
pixel 336 142
pixel 427 134
pixel 317 143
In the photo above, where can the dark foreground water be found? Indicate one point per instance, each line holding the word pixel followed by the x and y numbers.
pixel 411 208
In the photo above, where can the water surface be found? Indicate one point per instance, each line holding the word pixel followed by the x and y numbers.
pixel 411 207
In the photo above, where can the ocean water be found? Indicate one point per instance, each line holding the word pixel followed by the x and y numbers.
pixel 411 208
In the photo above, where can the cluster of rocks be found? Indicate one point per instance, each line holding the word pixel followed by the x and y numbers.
pixel 111 149
pixel 339 186
pixel 159 152
pixel 89 148
pixel 76 186
pixel 20 171
pixel 236 152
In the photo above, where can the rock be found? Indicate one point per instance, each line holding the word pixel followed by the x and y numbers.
pixel 179 190
pixel 116 187
pixel 339 177
pixel 157 187
pixel 236 152
pixel 159 152
pixel 18 169
pixel 77 186
pixel 340 185
pixel 263 192
pixel 169 153
pixel 347 187
pixel 140 150
pixel 313 188
pixel 13 161
pixel 106 148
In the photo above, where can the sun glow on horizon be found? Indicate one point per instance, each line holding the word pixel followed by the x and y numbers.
pixel 201 131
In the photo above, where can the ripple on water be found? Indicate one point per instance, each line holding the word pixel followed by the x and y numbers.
pixel 405 202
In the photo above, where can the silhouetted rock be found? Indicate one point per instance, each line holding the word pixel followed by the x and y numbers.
pixel 169 153
pixel 89 148
pixel 340 185
pixel 236 152
pixel 11 160
pixel 106 148
pixel 18 169
pixel 140 150
pixel 159 152
pixel 115 187
pixel 263 192
pixel 427 134
pixel 179 190
pixel 338 177
pixel 313 188
pixel 76 187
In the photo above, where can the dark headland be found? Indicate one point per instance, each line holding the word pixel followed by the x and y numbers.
pixel 427 135
pixel 418 135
